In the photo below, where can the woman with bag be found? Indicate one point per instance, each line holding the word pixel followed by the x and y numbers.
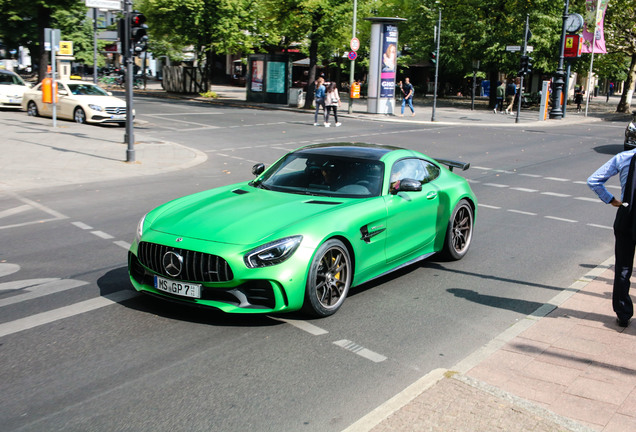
pixel 332 101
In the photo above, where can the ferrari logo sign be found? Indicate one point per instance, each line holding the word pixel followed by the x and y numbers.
pixel 66 48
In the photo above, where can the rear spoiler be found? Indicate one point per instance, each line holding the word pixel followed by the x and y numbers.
pixel 454 164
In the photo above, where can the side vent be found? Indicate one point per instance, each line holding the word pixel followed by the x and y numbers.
pixel 323 202
pixel 240 191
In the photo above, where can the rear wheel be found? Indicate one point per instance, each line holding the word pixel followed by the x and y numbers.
pixel 79 115
pixel 329 279
pixel 459 233
pixel 32 109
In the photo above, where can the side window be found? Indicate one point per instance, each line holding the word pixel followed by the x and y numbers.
pixel 415 169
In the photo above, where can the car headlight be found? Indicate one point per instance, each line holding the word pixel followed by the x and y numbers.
pixel 95 107
pixel 272 253
pixel 140 227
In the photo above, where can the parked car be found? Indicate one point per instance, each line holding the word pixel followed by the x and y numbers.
pixel 320 220
pixel 12 87
pixel 630 134
pixel 81 101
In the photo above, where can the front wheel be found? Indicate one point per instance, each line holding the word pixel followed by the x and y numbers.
pixel 459 233
pixel 329 279
pixel 79 115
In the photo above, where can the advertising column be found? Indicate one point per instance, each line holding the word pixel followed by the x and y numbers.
pixel 382 65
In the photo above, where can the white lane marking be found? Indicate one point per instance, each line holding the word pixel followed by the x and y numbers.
pixel 559 179
pixel 497 185
pixel 303 325
pixel 8 268
pixel 600 226
pixel 15 211
pixel 521 212
pixel 25 283
pixel 530 175
pixel 82 225
pixel 482 168
pixel 520 189
pixel 488 206
pixel 554 194
pixel 560 219
pixel 102 234
pixel 64 312
pixel 122 244
pixel 594 200
pixel 45 209
pixel 360 350
pixel 42 290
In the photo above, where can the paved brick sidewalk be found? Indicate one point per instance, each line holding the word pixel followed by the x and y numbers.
pixel 567 367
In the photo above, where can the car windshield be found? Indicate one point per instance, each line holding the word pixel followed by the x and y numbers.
pixel 325 175
pixel 86 89
pixel 9 79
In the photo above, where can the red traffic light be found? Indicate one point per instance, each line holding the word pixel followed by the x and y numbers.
pixel 138 19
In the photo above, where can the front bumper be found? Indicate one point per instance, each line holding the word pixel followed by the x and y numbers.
pixel 278 288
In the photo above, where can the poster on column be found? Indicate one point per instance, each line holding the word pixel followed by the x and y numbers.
pixel 257 76
pixel 389 60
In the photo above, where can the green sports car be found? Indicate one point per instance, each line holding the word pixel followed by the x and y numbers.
pixel 320 220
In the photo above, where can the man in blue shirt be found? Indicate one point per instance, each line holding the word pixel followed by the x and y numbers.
pixel 319 98
pixel 624 227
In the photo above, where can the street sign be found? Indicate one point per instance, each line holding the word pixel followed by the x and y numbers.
pixel 355 44
pixel 51 34
pixel 518 48
pixel 104 4
pixel 66 48
pixel 352 55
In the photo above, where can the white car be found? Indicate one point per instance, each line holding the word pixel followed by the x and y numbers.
pixel 12 87
pixel 81 101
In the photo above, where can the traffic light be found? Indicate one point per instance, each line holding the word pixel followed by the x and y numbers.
pixel 138 33
pixel 433 57
pixel 525 65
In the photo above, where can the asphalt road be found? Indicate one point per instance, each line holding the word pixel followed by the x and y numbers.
pixel 143 364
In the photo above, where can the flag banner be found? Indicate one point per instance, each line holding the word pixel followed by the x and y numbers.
pixel 593 28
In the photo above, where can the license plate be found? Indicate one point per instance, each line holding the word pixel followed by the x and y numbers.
pixel 15 100
pixel 118 117
pixel 184 289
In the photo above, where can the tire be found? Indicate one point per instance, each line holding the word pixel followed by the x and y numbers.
pixel 329 279
pixel 459 233
pixel 79 115
pixel 32 109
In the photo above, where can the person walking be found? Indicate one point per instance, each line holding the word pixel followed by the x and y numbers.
pixel 407 93
pixel 332 102
pixel 622 164
pixel 578 98
pixel 501 92
pixel 319 98
pixel 511 91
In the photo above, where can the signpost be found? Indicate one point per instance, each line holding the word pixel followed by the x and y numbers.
pixel 355 45
pixel 52 43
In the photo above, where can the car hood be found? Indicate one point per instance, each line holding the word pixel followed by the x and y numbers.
pixel 238 214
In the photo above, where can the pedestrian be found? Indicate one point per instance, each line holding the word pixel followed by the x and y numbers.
pixel 511 91
pixel 624 227
pixel 578 97
pixel 319 98
pixel 332 102
pixel 501 92
pixel 407 95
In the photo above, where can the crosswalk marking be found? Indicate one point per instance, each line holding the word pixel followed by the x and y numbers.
pixel 39 289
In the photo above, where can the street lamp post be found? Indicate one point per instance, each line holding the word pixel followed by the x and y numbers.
pixel 557 112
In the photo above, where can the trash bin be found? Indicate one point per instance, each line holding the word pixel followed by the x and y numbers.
pixel 296 97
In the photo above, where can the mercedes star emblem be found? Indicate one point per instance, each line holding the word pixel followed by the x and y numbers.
pixel 172 263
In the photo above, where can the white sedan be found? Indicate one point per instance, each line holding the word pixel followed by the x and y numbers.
pixel 12 87
pixel 81 101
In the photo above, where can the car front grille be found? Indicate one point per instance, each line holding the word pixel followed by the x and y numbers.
pixel 196 267
pixel 116 110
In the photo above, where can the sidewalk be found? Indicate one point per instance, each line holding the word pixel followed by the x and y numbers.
pixel 566 367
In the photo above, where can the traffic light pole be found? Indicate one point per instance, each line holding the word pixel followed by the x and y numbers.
pixel 437 37
pixel 525 51
pixel 128 56
pixel 557 112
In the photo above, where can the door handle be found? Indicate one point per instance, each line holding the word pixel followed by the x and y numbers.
pixel 431 195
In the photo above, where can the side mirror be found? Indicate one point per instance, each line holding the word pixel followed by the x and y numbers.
pixel 62 92
pixel 406 185
pixel 258 169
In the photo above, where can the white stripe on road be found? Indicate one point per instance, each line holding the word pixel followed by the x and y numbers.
pixel 520 189
pixel 15 211
pixel 554 194
pixel 41 290
pixel 497 185
pixel 488 206
pixel 557 179
pixel 361 351
pixel 82 225
pixel 560 219
pixel 600 226
pixel 303 325
pixel 522 212
pixel 594 200
pixel 102 234
pixel 122 244
pixel 64 312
